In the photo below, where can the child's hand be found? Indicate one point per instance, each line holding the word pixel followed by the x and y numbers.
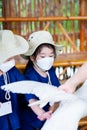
pixel 45 115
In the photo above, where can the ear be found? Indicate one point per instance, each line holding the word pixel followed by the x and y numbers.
pixel 32 58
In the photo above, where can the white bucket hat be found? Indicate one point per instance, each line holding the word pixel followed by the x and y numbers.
pixel 38 38
pixel 11 45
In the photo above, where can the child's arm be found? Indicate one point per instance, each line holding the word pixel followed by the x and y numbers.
pixel 41 114
pixel 79 77
pixel 54 107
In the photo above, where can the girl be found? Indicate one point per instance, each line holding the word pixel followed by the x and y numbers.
pixel 10 46
pixel 41 56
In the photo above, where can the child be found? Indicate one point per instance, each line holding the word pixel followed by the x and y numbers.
pixel 10 46
pixel 41 54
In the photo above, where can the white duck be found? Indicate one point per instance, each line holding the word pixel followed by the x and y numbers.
pixel 72 107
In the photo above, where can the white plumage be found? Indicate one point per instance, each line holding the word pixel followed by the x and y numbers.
pixel 45 92
pixel 72 106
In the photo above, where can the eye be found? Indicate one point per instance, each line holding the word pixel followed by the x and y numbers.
pixel 51 55
pixel 42 56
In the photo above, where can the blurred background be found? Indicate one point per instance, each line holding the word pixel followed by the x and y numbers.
pixel 66 20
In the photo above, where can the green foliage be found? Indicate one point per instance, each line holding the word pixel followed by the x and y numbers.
pixel 0 8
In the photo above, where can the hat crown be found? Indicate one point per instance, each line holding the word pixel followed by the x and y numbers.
pixel 40 37
pixel 11 45
pixel 6 36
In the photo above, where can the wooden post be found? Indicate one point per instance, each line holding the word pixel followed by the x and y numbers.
pixel 82 24
pixel 86 30
pixel 47 25
pixel 4 2
pixel 69 39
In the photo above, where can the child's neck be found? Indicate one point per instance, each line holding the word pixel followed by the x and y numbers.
pixel 42 73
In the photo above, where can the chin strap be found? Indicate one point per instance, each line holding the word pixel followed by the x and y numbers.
pixel 6 80
pixel 49 80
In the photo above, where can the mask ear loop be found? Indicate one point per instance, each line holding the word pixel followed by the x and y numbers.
pixel 7 94
pixel 49 82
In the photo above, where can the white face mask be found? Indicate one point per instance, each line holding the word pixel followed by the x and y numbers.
pixel 45 63
pixel 7 65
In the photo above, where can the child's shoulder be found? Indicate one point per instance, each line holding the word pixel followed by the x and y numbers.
pixel 31 74
pixel 14 71
pixel 52 69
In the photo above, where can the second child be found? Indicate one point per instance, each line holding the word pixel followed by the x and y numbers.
pixel 41 55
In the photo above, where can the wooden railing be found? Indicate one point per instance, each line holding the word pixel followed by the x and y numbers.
pixel 24 17
pixel 42 19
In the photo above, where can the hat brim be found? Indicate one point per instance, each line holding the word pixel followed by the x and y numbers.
pixel 30 51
